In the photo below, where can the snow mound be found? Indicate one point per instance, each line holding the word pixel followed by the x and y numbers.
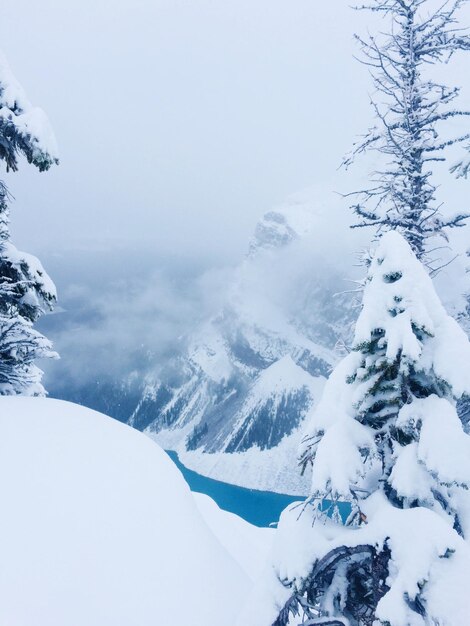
pixel 99 528
pixel 249 545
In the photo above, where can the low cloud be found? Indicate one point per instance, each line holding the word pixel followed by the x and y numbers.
pixel 127 313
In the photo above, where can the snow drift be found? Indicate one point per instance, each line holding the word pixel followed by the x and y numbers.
pixel 99 528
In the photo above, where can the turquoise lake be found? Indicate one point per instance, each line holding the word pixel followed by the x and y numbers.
pixel 260 508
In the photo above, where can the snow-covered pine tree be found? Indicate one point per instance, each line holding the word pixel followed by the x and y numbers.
pixel 412 111
pixel 26 291
pixel 386 439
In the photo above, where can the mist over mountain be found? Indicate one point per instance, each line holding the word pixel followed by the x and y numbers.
pixel 219 362
pixel 210 360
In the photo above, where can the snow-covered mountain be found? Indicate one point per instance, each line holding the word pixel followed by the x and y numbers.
pixel 233 404
pixel 231 396
pixel 230 389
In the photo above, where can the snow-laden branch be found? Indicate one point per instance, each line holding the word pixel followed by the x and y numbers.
pixel 24 129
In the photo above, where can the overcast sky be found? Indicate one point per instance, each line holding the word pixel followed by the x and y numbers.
pixel 180 121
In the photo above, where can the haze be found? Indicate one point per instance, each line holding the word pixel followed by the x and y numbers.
pixel 179 123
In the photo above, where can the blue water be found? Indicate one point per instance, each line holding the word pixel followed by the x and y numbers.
pixel 260 508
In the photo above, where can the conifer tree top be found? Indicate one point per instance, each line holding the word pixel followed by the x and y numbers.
pixel 413 113
pixel 400 300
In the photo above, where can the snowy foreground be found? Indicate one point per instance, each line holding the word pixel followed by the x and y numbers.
pixel 99 528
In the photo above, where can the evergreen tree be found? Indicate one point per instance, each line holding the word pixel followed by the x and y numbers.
pixel 412 112
pixel 26 291
pixel 385 438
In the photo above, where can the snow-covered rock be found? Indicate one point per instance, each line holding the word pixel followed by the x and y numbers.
pixel 99 528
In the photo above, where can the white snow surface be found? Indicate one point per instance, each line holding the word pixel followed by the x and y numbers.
pixel 249 545
pixel 99 528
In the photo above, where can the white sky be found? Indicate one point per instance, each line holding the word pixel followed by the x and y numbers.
pixel 181 121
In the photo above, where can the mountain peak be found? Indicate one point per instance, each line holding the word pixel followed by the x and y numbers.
pixel 278 228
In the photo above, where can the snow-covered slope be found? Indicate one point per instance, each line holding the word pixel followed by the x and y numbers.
pixel 98 527
pixel 249 545
pixel 252 372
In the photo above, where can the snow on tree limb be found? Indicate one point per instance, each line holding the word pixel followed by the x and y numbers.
pixel 24 129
